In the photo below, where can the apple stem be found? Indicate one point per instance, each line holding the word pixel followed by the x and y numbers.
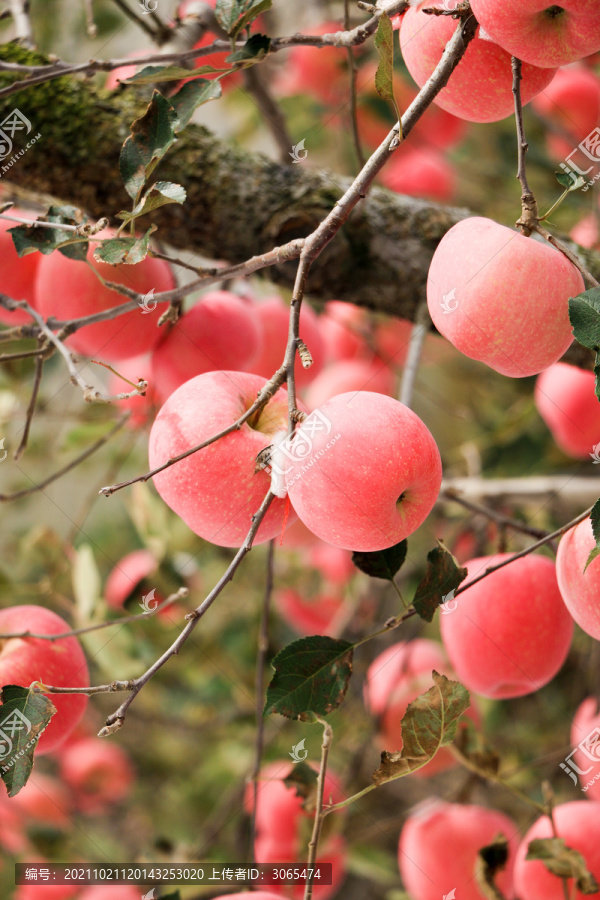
pixel 529 211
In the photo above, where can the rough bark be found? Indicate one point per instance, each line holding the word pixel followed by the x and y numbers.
pixel 239 204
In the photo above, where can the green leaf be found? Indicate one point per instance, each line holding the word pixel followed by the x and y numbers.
pixel 303 779
pixel 571 182
pixel 151 136
pixel 233 15
pixel 311 676
pixel 23 716
pixel 382 563
pixel 126 250
pixel 584 313
pixel 595 517
pixel 429 723
pixel 29 238
pixel 254 49
pixel 441 579
pixel 192 95
pixel 174 896
pixel 160 74
pixel 563 861
pixel 161 193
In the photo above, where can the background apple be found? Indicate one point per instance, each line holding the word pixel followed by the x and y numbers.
pixel 59 663
pixel 580 590
pixel 586 728
pixel 566 400
pixel 274 316
pixel 18 273
pixel 578 823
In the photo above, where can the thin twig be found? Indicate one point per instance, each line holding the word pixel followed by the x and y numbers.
pixel 37 380
pixel 505 521
pixel 122 620
pixel 529 210
pixel 572 257
pixel 313 845
pixel 92 31
pixel 5 498
pixel 415 350
pixel 140 21
pixel 263 645
pixel 353 71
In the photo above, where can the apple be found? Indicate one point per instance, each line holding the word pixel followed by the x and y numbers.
pixel 12 836
pixel 438 848
pixel 541 32
pixel 585 729
pixel 216 491
pixel 98 773
pixel 127 575
pixel 566 400
pixel 580 590
pixel 253 895
pixel 392 340
pixel 332 851
pixel 420 172
pixel 43 800
pixel 320 72
pixel 220 332
pixel 273 314
pixel 54 891
pixel 349 375
pixel 344 328
pixel 572 101
pixel 365 472
pixel 314 615
pixel 110 892
pixel 510 632
pixel 334 564
pixel 59 663
pixel 480 88
pixel 586 233
pixel 298 537
pixel 488 286
pixel 578 823
pixel 18 273
pixel 69 289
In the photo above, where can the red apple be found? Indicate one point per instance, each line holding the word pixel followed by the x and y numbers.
pixel 43 800
pixel 314 615
pixel 438 849
pixel 69 289
pixel 392 340
pixel 344 328
pixel 12 836
pixel 18 274
pixel 586 233
pixel 420 172
pixel 346 376
pixel 572 100
pixel 52 891
pixel 580 590
pixel 334 564
pixel 273 314
pixel 510 632
pixel 126 576
pixel 253 895
pixel 480 88
pixel 110 892
pixel 220 332
pixel 585 732
pixel 578 823
pixel 364 471
pixel 489 285
pixel 566 400
pixel 541 32
pixel 216 491
pixel 99 774
pixel 318 71
pixel 58 663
